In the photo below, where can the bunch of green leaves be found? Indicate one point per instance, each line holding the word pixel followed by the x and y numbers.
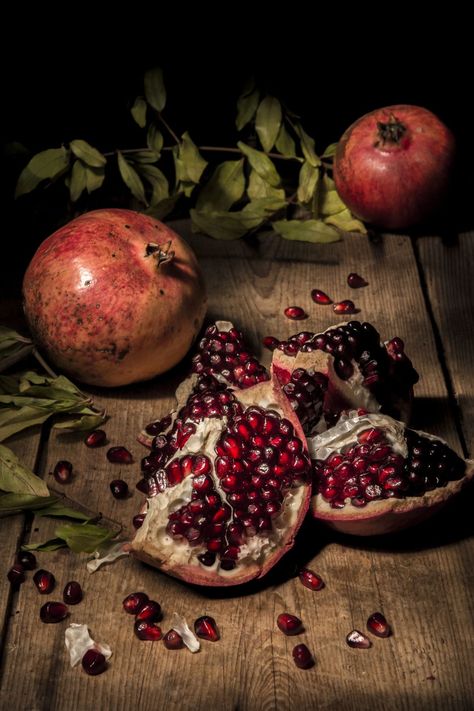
pixel 232 198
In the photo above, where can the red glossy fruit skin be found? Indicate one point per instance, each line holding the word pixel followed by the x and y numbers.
pixel 394 185
pixel 103 312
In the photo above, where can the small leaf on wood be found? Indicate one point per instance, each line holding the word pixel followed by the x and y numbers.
pixel 224 188
pixel 307 231
pixel 154 139
pixel 81 423
pixel 56 508
pixel 307 146
pixel 261 163
pixel 138 111
pixel 285 143
pixel 88 154
pixel 158 182
pixel 84 537
pixel 224 225
pixel 346 222
pixel 47 164
pixel 11 504
pixel 268 122
pixel 308 181
pixel 131 179
pixel 15 478
pixel 264 207
pixel 78 181
pixel 259 188
pixel 155 89
pixel 247 105
pixel 53 544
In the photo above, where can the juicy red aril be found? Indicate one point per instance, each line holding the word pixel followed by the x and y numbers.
pixel 53 612
pixel 119 488
pixel 302 657
pixel 173 640
pixel 72 593
pixel 93 662
pixel 16 575
pixel 295 313
pixel 345 307
pixel 95 438
pixel 319 297
pixel 289 624
pixel 147 631
pixel 206 628
pixel 119 455
pixel 44 581
pixel 27 560
pixel 310 579
pixel 62 472
pixel 149 612
pixel 355 281
pixel 270 342
pixel 358 640
pixel 134 602
pixel 378 625
pixel 137 520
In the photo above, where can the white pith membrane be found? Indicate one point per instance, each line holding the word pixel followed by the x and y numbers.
pixel 179 625
pixel 78 640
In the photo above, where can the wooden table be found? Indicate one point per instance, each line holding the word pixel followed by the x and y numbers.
pixel 422 579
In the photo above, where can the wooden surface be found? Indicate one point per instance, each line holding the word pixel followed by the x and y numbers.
pixel 422 579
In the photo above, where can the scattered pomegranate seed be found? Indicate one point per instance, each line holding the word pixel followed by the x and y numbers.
pixel 358 640
pixel 119 455
pixel 150 611
pixel 62 472
pixel 53 612
pixel 206 628
pixel 93 662
pixel 289 624
pixel 27 560
pixel 16 575
pixel 303 657
pixel 295 313
pixel 319 297
pixel 134 602
pixel 72 593
pixel 138 520
pixel 270 342
pixel 119 488
pixel 345 307
pixel 173 640
pixel 95 438
pixel 378 625
pixel 311 579
pixel 147 631
pixel 355 281
pixel 44 581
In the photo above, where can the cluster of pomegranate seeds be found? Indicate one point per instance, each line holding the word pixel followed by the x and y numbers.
pixel 319 297
pixel 224 354
pixel 295 313
pixel 44 581
pixel 147 613
pixel 72 593
pixel 119 488
pixel 95 439
pixel 205 627
pixel 289 624
pixel 357 640
pixel 119 455
pixel 62 472
pixel 53 612
pixel 303 657
pixel 378 625
pixel 305 391
pixel 93 662
pixel 345 307
pixel 311 579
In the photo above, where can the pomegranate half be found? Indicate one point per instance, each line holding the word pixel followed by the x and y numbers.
pixel 114 297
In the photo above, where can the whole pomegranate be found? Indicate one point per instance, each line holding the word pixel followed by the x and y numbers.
pixel 114 297
pixel 393 165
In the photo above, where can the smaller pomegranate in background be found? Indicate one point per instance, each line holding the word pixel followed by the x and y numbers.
pixel 392 166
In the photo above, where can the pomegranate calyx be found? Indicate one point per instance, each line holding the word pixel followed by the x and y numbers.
pixel 162 254
pixel 392 131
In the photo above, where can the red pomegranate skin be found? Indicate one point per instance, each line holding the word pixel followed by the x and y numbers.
pixel 105 313
pixel 394 184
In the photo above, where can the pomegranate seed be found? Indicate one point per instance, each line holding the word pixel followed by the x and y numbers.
pixel 147 631
pixel 16 575
pixel 378 625
pixel 370 436
pixel 358 640
pixel 355 281
pixel 93 662
pixel 289 624
pixel 72 593
pixel 310 579
pixel 134 602
pixel 173 640
pixel 95 438
pixel 27 560
pixel 319 297
pixel 62 472
pixel 119 488
pixel 53 612
pixel 345 307
pixel 119 455
pixel 303 657
pixel 138 520
pixel 149 612
pixel 206 628
pixel 295 313
pixel 44 581
pixel 270 342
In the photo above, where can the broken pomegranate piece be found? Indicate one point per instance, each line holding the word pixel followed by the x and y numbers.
pixel 357 640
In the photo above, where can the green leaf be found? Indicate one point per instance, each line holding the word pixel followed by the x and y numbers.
pixel 13 347
pixel 259 188
pixel 138 111
pixel 308 181
pixel 56 508
pixel 52 545
pixel 94 178
pixel 330 151
pixel 261 163
pixel 16 478
pixel 47 164
pixel 330 203
pixel 164 208
pixel 78 180
pixel 346 222
pixel 85 422
pixel 268 122
pixel 155 89
pixel 189 163
pixel 224 188
pixel 131 179
pixel 144 157
pixel 307 231
pixel 154 139
pixel 224 225
pixel 247 105
pixel 307 146
pixel 264 207
pixel 158 182
pixel 88 154
pixel 15 503
pixel 17 420
pixel 83 537
pixel 284 143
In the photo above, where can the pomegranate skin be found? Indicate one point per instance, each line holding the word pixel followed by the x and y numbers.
pixel 397 182
pixel 103 309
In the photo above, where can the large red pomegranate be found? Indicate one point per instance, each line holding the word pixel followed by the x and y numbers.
pixel 114 297
pixel 393 165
